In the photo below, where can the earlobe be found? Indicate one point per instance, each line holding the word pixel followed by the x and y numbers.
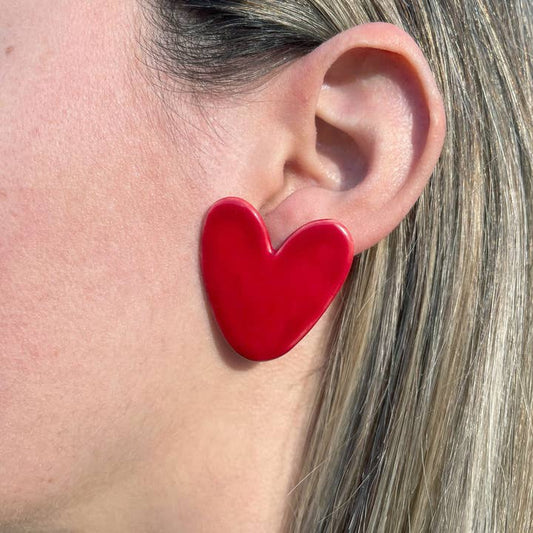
pixel 379 126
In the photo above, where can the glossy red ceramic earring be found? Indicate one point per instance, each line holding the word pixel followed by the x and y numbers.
pixel 265 301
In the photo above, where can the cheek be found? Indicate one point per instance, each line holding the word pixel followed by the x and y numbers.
pixel 84 289
pixel 98 258
pixel 65 273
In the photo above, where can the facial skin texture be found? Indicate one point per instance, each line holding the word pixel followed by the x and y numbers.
pixel 121 407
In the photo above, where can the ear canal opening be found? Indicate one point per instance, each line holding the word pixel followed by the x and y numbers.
pixel 343 161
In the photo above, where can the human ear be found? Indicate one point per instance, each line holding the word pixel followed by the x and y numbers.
pixel 367 132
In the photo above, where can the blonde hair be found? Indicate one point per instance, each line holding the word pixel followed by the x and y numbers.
pixel 423 420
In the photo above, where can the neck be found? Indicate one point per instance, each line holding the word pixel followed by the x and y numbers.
pixel 230 460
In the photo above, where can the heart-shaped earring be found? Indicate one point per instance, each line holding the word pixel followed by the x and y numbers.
pixel 266 301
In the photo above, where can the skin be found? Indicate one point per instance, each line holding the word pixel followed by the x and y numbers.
pixel 122 408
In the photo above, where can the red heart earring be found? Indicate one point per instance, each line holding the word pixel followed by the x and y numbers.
pixel 266 301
